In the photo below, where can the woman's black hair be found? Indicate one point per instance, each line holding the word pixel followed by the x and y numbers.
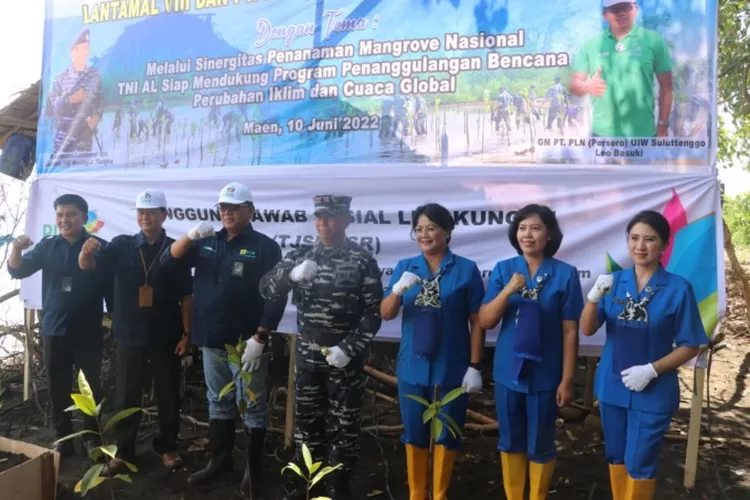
pixel 437 214
pixel 550 221
pixel 657 221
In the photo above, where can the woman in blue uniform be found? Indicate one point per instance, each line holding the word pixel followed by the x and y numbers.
pixel 441 343
pixel 647 310
pixel 539 300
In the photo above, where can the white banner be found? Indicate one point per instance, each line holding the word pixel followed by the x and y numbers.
pixel 593 208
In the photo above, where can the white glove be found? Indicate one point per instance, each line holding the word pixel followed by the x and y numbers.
pixel 304 272
pixel 406 281
pixel 337 358
pixel 251 355
pixel 472 380
pixel 201 230
pixel 636 378
pixel 601 288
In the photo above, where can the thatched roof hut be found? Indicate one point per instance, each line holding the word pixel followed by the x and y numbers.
pixel 21 115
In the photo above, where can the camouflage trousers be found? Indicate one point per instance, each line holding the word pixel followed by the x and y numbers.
pixel 327 414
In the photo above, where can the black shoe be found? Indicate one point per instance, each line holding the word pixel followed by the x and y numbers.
pixel 253 478
pixel 221 443
pixel 65 448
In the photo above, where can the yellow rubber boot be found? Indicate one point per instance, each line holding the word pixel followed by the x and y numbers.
pixel 417 464
pixel 618 481
pixel 443 461
pixel 514 466
pixel 640 489
pixel 540 477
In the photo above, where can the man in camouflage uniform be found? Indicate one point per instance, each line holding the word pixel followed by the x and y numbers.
pixel 502 108
pixel 76 101
pixel 337 289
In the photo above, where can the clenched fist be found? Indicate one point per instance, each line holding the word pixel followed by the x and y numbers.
pixel 304 272
pixel 90 246
pixel 22 242
pixel 601 288
pixel 516 283
pixel 406 281
pixel 200 231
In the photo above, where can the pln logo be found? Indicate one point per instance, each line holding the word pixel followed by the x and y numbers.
pixel 93 225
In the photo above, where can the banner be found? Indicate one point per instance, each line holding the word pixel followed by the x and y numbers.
pixel 593 210
pixel 185 84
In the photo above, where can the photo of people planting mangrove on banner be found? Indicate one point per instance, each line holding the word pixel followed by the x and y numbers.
pixel 167 84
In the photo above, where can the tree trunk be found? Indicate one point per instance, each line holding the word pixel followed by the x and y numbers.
pixel 737 268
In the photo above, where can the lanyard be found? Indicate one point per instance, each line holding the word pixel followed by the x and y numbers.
pixel 146 270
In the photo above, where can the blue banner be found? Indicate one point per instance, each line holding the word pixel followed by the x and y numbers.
pixel 170 84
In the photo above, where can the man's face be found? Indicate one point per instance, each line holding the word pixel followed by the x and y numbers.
pixel 80 55
pixel 331 228
pixel 150 220
pixel 69 220
pixel 235 217
pixel 621 16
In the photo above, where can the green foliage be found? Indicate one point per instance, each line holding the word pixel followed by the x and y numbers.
pixel 314 473
pixel 734 78
pixel 435 416
pixel 84 401
pixel 737 216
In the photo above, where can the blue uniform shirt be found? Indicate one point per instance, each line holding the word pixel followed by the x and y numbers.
pixel 226 298
pixel 461 291
pixel 71 298
pixel 673 319
pixel 560 299
pixel 162 322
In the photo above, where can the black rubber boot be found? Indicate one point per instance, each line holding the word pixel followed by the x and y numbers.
pixel 253 478
pixel 221 443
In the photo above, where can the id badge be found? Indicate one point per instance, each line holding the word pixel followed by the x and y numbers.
pixel 238 269
pixel 145 296
pixel 66 285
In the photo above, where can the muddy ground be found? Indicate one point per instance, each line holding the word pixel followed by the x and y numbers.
pixel 724 464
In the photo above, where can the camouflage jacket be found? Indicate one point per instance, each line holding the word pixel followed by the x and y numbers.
pixel 339 306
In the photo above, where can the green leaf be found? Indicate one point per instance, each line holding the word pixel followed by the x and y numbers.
pixel 436 428
pixel 85 403
pixel 315 467
pixel 120 416
pixel 307 456
pixel 83 385
pixel 95 454
pixel 227 389
pixel 234 359
pixel 294 468
pixel 124 477
pixel 247 377
pixel 455 393
pixel 316 498
pixel 429 413
pixel 74 435
pixel 89 480
pixel 131 467
pixel 452 425
pixel 231 349
pixel 109 450
pixel 323 473
pixel 419 400
pixel 251 395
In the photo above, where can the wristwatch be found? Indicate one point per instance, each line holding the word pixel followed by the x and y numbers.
pixel 663 123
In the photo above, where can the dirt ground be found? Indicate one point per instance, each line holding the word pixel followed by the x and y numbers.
pixel 724 463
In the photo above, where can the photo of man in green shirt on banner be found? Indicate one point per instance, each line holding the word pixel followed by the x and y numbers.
pixel 617 68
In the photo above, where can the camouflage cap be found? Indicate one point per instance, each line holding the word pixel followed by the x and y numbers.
pixel 83 37
pixel 331 204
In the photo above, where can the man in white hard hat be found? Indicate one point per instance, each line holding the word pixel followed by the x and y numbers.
pixel 227 305
pixel 617 69
pixel 151 324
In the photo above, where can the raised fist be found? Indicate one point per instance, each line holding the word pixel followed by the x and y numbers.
pixel 516 283
pixel 22 242
pixel 201 230
pixel 601 288
pixel 304 271
pixel 90 246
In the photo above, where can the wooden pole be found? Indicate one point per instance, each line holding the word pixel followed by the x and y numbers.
pixel 694 428
pixel 28 351
pixel 588 394
pixel 289 423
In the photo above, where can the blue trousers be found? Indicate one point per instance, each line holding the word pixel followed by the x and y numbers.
pixel 634 438
pixel 218 372
pixel 416 432
pixel 526 423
